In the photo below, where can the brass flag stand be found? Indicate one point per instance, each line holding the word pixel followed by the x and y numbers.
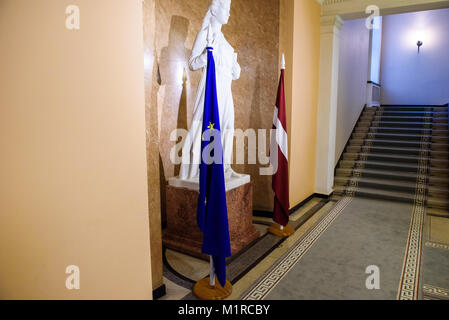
pixel 281 231
pixel 209 289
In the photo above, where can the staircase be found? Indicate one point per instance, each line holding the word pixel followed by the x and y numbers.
pixel 392 150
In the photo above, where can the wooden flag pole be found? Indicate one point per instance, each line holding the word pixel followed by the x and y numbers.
pixel 276 229
pixel 208 289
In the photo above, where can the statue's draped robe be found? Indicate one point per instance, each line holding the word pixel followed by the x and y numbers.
pixel 227 70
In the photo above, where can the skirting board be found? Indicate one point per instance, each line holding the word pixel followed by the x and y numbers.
pixel 269 214
pixel 159 292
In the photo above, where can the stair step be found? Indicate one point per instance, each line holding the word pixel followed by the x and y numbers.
pixel 398 144
pixel 415 108
pixel 388 166
pixel 383 150
pixel 436 181
pixel 393 158
pixel 388 136
pixel 410 119
pixel 401 124
pixel 438 192
pixel 396 175
pixel 416 131
pixel 397 136
pixel 438 203
pixel 432 202
pixel 398 122
pixel 440 140
pixel 397 150
pixel 412 113
pixel 442 163
pixel 378 194
pixel 444 213
pixel 382 184
pixel 439 181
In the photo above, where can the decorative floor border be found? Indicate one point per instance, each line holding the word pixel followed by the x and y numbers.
pixel 435 293
pixel 409 283
pixel 276 273
pixel 365 149
pixel 436 245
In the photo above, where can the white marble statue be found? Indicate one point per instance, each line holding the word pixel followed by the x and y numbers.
pixel 227 69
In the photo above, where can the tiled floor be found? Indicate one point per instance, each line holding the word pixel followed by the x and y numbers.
pixel 174 291
pixel 437 232
pixel 243 284
pixel 195 269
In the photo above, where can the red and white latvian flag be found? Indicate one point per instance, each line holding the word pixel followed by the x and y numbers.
pixel 279 142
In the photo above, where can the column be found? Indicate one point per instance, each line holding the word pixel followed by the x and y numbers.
pixel 327 104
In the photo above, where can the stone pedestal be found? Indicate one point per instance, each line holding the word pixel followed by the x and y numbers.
pixel 182 233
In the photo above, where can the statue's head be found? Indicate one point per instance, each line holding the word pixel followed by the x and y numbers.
pixel 221 10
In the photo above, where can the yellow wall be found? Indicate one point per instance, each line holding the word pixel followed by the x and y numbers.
pixel 300 40
pixel 72 137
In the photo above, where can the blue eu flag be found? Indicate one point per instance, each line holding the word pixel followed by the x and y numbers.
pixel 212 215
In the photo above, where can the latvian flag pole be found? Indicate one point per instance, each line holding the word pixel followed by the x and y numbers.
pixel 279 161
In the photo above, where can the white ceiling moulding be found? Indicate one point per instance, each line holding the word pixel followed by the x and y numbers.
pixel 354 9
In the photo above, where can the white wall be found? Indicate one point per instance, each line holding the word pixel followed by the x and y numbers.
pixel 376 50
pixel 406 76
pixel 352 79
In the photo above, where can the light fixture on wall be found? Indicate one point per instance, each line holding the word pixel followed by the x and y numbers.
pixel 419 44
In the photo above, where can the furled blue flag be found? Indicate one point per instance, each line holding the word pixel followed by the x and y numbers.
pixel 212 215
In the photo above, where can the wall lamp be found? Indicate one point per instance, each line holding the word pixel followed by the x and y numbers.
pixel 419 44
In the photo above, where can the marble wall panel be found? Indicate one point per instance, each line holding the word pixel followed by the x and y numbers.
pixel 152 134
pixel 170 31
